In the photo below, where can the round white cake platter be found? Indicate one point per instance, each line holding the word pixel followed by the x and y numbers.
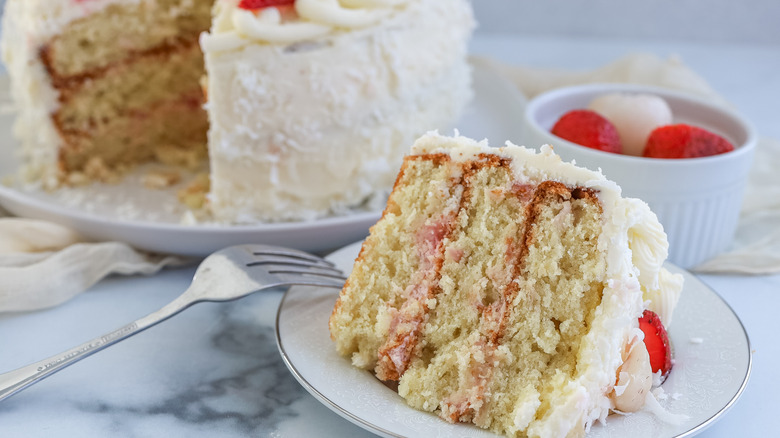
pixel 151 219
pixel 712 356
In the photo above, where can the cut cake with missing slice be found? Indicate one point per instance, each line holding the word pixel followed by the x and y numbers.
pixel 303 108
pixel 502 287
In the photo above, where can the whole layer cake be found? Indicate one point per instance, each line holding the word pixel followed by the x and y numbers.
pixel 503 287
pixel 311 103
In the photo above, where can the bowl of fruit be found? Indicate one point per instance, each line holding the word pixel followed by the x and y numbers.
pixel 687 158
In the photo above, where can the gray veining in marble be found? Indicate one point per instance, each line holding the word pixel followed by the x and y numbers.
pixel 213 370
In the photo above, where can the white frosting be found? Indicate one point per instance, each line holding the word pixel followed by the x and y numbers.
pixel 236 27
pixel 371 3
pixel 27 26
pixel 267 26
pixel 309 129
pixel 333 13
pixel 634 244
pixel 649 249
pixel 664 298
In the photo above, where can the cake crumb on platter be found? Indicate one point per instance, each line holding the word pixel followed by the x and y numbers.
pixel 161 178
pixel 193 195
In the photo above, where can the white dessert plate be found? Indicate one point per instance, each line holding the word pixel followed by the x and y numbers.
pixel 152 219
pixel 712 366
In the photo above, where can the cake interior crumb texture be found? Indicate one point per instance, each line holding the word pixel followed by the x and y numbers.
pixel 127 83
pixel 475 291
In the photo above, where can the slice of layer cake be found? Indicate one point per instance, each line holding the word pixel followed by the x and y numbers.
pixel 503 287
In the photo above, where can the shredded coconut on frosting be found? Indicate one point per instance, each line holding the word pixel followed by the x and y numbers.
pixel 319 125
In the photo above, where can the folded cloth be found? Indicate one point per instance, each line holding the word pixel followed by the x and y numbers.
pixel 756 247
pixel 635 68
pixel 43 264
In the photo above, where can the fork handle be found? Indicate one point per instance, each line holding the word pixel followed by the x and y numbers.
pixel 20 378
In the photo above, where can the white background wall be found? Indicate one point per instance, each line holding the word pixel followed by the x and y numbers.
pixel 717 21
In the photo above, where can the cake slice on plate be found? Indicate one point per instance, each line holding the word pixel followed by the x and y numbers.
pixel 503 287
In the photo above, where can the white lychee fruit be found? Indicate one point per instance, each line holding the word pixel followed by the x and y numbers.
pixel 635 116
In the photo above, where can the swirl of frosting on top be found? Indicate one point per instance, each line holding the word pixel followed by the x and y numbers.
pixel 236 27
pixel 648 244
pixel 372 3
pixel 267 26
pixel 335 14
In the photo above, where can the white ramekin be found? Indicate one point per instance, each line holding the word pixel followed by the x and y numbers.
pixel 697 200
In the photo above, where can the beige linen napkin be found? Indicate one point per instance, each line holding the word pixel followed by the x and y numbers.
pixel 43 264
pixel 756 247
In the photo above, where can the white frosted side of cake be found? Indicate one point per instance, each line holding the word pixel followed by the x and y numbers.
pixel 34 97
pixel 27 26
pixel 304 130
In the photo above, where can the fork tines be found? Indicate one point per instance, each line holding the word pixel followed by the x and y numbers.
pixel 298 267
pixel 276 253
pixel 330 273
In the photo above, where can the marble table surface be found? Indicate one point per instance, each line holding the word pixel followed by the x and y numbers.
pixel 214 370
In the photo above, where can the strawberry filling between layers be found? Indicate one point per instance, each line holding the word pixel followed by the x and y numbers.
pixel 467 403
pixel 406 324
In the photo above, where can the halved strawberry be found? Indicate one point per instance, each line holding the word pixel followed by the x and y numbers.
pixel 684 141
pixel 590 129
pixel 252 5
pixel 657 342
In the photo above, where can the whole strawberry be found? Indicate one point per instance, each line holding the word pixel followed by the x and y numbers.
pixel 684 141
pixel 588 128
pixel 260 4
pixel 657 342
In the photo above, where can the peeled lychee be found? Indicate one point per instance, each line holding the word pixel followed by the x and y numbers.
pixel 634 115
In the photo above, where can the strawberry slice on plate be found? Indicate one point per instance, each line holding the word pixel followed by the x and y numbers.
pixel 657 342
pixel 590 129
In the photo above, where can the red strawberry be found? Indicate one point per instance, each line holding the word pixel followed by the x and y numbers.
pixel 260 4
pixel 657 342
pixel 590 129
pixel 684 141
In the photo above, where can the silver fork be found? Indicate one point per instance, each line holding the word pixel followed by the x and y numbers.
pixel 226 275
